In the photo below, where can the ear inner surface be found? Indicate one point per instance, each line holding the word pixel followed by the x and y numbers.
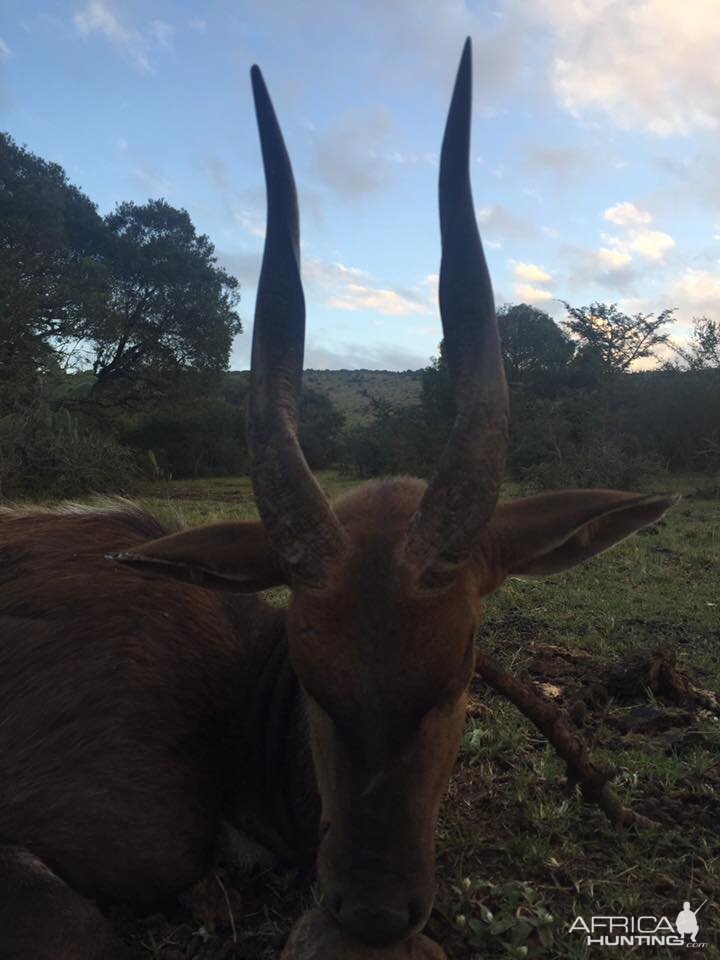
pixel 552 532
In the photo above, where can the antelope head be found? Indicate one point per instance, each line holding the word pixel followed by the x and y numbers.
pixel 387 582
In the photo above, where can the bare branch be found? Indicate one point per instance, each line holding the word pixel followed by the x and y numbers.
pixel 595 784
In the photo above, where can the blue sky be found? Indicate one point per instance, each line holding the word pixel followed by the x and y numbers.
pixel 596 145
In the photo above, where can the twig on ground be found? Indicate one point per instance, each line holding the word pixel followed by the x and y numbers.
pixel 595 784
pixel 229 907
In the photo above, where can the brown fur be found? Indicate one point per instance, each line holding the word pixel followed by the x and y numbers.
pixel 41 918
pixel 115 695
pixel 134 710
pixel 136 707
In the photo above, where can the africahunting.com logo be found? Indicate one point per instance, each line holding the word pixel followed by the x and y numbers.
pixel 646 931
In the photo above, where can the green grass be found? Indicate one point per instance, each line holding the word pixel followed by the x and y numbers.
pixel 511 820
pixel 519 857
pixel 219 498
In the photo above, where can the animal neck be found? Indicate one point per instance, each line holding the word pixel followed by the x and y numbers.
pixel 274 799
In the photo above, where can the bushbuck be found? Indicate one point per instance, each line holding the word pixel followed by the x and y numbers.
pixel 148 691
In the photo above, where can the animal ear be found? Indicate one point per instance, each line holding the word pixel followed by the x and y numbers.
pixel 226 556
pixel 554 531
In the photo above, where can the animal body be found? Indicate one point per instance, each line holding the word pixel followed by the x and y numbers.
pixel 145 697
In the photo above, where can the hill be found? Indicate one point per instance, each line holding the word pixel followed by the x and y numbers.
pixel 349 389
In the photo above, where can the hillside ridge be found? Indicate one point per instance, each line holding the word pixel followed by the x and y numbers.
pixel 350 391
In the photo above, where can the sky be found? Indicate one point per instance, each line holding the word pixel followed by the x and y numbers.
pixel 595 147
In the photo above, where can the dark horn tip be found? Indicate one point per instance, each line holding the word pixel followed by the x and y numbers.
pixel 465 67
pixel 260 91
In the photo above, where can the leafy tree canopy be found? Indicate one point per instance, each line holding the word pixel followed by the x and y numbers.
pixel 169 307
pixel 703 352
pixel 320 426
pixel 616 339
pixel 50 269
pixel 532 342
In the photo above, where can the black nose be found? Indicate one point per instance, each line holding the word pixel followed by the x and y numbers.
pixel 377 927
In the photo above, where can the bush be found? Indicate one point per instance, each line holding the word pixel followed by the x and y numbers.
pixel 202 439
pixel 320 428
pixel 396 440
pixel 602 463
pixel 47 454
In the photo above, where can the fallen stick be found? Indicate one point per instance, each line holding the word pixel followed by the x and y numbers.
pixel 594 783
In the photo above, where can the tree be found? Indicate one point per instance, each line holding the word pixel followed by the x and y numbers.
pixel 195 434
pixel 532 343
pixel 704 350
pixel 614 339
pixel 51 274
pixel 320 426
pixel 169 309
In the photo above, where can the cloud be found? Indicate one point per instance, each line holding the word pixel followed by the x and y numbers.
pixel 607 267
pixel 319 355
pixel 252 221
pixel 696 179
pixel 406 44
pixel 526 287
pixel 361 356
pixel 5 51
pixel 198 25
pixel 700 288
pixel 352 156
pixel 351 288
pixel 613 264
pixel 651 245
pixel 97 17
pixel 497 222
pixel 162 32
pixel 152 180
pixel 338 286
pixel 562 161
pixel 410 158
pixel 327 273
pixel 245 265
pixel 357 296
pixel 647 64
pixel 626 213
pixel 527 293
pixel 530 272
pixel 613 259
pixel 245 208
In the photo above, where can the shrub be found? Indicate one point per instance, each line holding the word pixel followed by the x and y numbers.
pixel 47 454
pixel 600 463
